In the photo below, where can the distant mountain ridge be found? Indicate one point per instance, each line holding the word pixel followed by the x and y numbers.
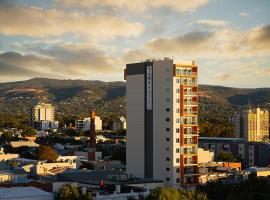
pixel 78 97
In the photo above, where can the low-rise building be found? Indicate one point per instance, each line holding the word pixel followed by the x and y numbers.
pixel 12 175
pixel 120 124
pixel 8 156
pixel 102 178
pixel 205 156
pixel 17 144
pixel 62 163
pixel 258 171
pixel 252 153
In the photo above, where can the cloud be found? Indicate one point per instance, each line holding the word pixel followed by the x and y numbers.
pixel 15 66
pixel 58 61
pixel 184 44
pixel 38 22
pixel 244 14
pixel 259 37
pixel 224 77
pixel 135 6
pixel 222 43
pixel 210 22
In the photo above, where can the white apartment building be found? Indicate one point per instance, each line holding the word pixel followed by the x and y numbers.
pixel 86 123
pixel 120 124
pixel 43 112
pixel 42 117
pixel 162 121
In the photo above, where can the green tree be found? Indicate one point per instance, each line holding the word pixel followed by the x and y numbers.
pixel 7 136
pixel 252 189
pixel 188 195
pixel 70 192
pixel 227 157
pixel 164 194
pixel 172 193
pixel 47 153
pixel 29 131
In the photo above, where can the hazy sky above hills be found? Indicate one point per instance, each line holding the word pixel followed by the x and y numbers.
pixel 94 39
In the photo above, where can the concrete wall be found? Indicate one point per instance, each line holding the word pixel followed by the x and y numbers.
pixel 135 123
pixel 163 139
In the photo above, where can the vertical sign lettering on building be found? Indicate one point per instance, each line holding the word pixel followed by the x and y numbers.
pixel 149 87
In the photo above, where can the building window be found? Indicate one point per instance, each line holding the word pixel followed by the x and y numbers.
pixel 177 120
pixel 167 149
pixel 168 100
pixel 167 159
pixel 177 80
pixel 177 110
pixel 167 129
pixel 168 109
pixel 177 90
pixel 177 140
pixel 177 130
pixel 167 179
pixel 177 150
pixel 167 119
pixel 177 180
pixel 167 139
pixel 177 160
pixel 177 170
pixel 167 169
pixel 177 100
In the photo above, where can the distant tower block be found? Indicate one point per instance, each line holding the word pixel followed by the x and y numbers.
pixel 92 129
pixel 92 149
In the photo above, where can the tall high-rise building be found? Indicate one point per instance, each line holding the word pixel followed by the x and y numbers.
pixel 85 124
pixel 42 112
pixel 162 121
pixel 42 117
pixel 253 125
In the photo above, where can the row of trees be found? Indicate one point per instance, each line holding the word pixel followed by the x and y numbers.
pixel 172 193
pixel 70 192
pixel 209 129
pixel 252 189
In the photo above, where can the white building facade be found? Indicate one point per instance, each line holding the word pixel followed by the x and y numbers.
pixel 86 123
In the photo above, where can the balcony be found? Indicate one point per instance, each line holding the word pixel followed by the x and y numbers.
pixel 190 152
pixel 186 73
pixel 189 93
pixel 190 113
pixel 190 162
pixel 190 123
pixel 190 103
pixel 190 142
pixel 190 132
pixel 189 83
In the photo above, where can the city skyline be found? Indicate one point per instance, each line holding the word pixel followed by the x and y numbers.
pixel 94 40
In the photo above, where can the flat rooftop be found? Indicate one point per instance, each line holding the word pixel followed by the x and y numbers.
pixel 221 139
pixel 110 177
pixel 22 192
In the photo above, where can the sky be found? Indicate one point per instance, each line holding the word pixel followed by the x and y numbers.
pixel 95 39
